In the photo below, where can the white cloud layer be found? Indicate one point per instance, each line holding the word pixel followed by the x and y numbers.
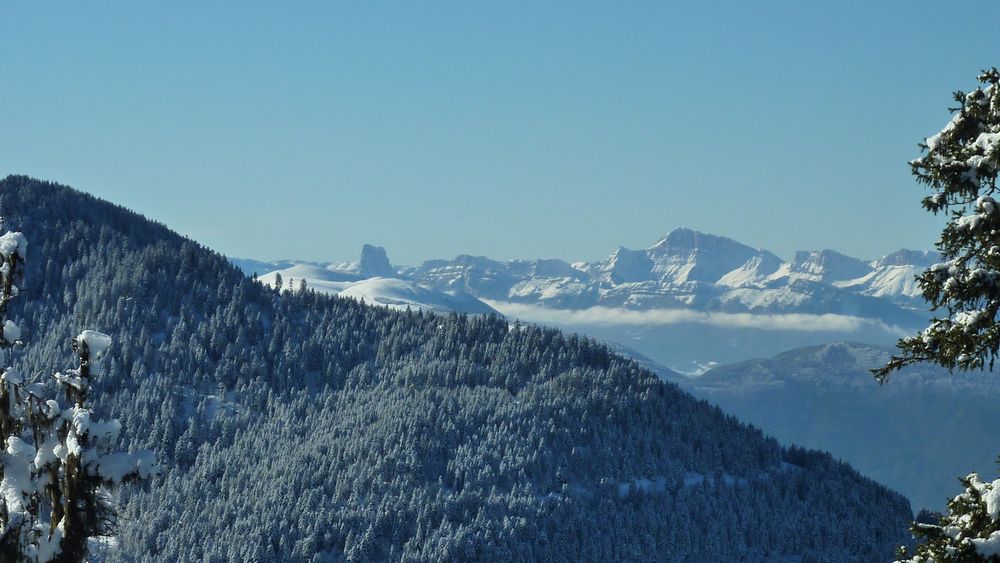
pixel 612 316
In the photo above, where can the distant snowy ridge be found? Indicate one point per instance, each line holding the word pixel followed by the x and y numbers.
pixel 684 269
pixel 353 281
pixel 402 294
pixel 689 269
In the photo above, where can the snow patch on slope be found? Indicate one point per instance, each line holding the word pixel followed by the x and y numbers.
pixel 401 294
pixel 390 292
pixel 317 277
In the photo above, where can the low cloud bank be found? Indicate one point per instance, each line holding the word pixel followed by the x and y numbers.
pixel 612 316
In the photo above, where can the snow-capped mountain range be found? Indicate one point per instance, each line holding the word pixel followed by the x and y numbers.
pixel 684 269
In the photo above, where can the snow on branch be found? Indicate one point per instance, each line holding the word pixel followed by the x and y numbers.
pixel 960 164
pixel 58 459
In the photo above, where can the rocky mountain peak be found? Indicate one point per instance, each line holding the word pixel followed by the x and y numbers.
pixel 374 262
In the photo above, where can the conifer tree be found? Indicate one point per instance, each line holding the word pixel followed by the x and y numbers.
pixel 967 533
pixel 960 165
pixel 56 467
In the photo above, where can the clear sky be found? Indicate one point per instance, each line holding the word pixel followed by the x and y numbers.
pixel 513 130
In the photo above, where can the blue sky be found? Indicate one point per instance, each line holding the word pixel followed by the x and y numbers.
pixel 514 130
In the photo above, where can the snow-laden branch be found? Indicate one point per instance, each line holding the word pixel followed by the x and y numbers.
pixel 58 458
pixel 960 165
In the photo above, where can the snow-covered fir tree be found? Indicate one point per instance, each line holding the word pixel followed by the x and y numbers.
pixel 960 165
pixel 969 532
pixel 57 465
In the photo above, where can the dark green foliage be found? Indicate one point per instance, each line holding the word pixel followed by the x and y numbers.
pixel 960 166
pixel 963 535
pixel 306 428
pixel 56 466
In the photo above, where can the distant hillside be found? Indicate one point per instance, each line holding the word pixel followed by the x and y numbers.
pixel 299 427
pixel 917 433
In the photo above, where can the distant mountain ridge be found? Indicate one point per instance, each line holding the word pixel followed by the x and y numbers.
pixel 372 280
pixel 684 269
pixel 917 433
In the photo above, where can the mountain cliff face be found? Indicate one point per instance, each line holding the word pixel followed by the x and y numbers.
pixel 826 266
pixel 375 263
pixel 300 426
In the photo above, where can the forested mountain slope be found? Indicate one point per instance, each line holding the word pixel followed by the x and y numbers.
pixel 297 427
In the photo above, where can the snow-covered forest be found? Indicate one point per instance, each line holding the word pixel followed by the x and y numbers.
pixel 296 426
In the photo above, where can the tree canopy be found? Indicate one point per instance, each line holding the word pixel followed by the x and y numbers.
pixel 57 465
pixel 959 164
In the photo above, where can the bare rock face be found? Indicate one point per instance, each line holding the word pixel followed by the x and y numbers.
pixel 375 262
